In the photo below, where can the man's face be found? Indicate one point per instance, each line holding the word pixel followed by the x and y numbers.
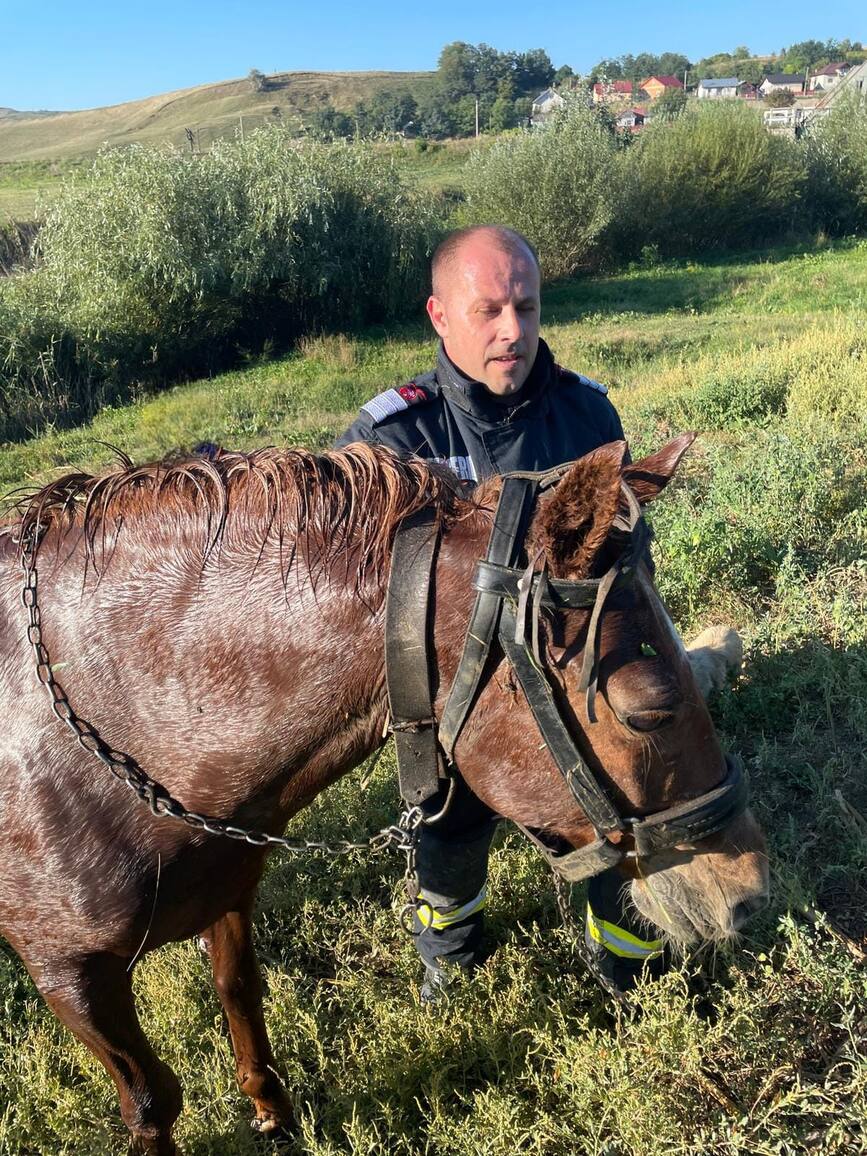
pixel 488 314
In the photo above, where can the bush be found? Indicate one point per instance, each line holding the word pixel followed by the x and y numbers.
pixel 836 152
pixel 555 184
pixel 712 178
pixel 160 265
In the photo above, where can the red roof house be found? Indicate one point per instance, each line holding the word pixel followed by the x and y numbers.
pixel 655 86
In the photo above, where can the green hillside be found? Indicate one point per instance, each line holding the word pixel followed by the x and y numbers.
pixel 210 110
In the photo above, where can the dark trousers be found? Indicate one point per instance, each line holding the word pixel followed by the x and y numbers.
pixel 452 868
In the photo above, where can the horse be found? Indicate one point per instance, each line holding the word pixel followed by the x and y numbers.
pixel 223 621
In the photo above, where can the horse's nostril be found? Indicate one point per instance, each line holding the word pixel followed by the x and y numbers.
pixel 747 908
pixel 649 720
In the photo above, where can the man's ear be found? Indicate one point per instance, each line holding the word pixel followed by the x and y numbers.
pixel 437 314
pixel 574 521
pixel 649 477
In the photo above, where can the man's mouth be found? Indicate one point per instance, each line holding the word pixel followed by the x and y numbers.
pixel 508 359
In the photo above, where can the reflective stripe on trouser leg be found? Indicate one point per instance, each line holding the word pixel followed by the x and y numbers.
pixel 441 918
pixel 618 940
pixel 452 866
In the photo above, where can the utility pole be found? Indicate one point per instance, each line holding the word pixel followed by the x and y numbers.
pixel 477 118
pixel 241 123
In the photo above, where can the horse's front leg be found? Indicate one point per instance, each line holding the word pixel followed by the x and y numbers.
pixel 229 943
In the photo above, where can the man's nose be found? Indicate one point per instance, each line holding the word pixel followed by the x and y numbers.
pixel 511 329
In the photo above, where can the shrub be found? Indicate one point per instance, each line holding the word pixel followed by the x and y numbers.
pixel 555 184
pixel 836 152
pixel 158 265
pixel 712 178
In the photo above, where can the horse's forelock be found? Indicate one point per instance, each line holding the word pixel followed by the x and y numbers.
pixel 351 497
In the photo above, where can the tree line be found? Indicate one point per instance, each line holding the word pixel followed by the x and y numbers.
pixel 470 80
pixel 475 83
pixel 802 57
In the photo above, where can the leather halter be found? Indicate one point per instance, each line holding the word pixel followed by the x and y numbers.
pixel 508 599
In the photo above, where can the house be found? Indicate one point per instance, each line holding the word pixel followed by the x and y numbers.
pixel 782 82
pixel 828 76
pixel 748 91
pixel 612 91
pixel 655 86
pixel 632 119
pixel 726 88
pixel 545 104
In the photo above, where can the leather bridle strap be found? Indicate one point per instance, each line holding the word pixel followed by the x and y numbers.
pixel 511 521
pixel 561 746
pixel 407 656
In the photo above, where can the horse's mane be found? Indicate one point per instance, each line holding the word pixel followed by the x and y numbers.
pixel 318 503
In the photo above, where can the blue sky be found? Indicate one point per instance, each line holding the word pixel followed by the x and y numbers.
pixel 84 53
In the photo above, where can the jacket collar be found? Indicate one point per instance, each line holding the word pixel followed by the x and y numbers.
pixel 475 398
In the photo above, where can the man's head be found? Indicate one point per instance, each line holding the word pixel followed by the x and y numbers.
pixel 485 304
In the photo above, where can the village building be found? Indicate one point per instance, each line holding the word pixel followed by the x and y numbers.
pixel 545 104
pixel 748 91
pixel 827 77
pixel 782 82
pixel 723 88
pixel 612 91
pixel 655 86
pixel 632 120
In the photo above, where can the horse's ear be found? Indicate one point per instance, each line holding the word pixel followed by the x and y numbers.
pixel 574 521
pixel 651 475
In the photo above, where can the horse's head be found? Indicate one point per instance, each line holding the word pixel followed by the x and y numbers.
pixel 620 681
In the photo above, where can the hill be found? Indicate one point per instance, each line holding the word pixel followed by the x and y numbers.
pixel 209 110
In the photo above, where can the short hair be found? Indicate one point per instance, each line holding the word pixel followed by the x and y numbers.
pixel 502 238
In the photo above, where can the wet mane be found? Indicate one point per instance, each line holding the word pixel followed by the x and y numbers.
pixel 318 503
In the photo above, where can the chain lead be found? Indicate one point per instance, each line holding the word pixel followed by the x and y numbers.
pixel 403 836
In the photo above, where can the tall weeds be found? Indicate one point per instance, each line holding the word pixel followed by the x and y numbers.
pixel 156 265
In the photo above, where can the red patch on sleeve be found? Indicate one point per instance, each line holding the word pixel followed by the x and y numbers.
pixel 412 393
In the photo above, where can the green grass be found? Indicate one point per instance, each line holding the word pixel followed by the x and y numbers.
pixel 767 356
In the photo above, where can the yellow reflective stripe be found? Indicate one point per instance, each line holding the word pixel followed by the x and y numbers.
pixel 618 940
pixel 439 920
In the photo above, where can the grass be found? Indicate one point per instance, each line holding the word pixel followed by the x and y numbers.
pixel 767 356
pixel 212 110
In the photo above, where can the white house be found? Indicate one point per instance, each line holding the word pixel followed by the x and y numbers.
pixel 545 104
pixel 725 88
pixel 782 82
pixel 827 77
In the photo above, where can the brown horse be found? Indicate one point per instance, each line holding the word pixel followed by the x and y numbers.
pixel 223 622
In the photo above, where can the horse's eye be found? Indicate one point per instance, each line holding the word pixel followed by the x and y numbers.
pixel 648 651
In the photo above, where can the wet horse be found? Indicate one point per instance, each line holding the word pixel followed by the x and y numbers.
pixel 223 622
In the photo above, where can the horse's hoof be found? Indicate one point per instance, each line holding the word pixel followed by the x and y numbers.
pixel 272 1127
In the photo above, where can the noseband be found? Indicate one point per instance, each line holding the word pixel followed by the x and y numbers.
pixel 508 602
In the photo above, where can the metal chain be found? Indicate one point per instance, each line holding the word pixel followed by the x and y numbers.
pixel 575 926
pixel 403 835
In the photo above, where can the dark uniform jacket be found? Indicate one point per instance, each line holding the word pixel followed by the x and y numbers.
pixel 555 417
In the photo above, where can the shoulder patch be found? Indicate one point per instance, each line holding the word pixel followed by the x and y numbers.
pixel 394 401
pixel 597 385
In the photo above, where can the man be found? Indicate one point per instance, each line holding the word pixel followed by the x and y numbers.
pixel 495 402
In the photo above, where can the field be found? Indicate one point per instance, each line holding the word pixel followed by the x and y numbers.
pixel 212 110
pixel 758 1048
